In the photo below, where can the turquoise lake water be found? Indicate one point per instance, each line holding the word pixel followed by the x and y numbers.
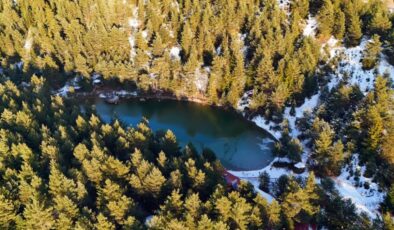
pixel 238 143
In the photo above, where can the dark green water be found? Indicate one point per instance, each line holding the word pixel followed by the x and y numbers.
pixel 238 143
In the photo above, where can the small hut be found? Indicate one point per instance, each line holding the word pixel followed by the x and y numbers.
pixel 231 180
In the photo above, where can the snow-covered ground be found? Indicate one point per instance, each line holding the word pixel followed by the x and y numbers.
pixel 275 173
pixel 133 23
pixel 284 4
pixel 175 53
pixel 72 83
pixel 366 199
pixel 245 100
pixel 351 64
pixel 311 26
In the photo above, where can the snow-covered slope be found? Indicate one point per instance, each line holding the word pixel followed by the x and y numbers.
pixel 351 64
pixel 364 193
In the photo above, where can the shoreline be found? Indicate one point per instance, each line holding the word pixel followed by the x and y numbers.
pixel 125 95
pixel 142 96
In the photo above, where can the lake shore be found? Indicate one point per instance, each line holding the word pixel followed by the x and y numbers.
pixel 105 92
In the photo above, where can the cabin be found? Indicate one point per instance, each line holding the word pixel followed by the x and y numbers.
pixel 231 180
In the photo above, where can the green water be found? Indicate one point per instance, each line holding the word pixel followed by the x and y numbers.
pixel 238 143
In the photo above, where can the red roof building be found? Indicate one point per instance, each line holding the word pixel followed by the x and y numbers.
pixel 231 180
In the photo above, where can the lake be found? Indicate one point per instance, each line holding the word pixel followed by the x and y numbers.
pixel 237 142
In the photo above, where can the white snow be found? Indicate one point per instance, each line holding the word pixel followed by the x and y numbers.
pixel 96 76
pixel 200 80
pixel 219 50
pixel 118 94
pixel 132 44
pixel 273 172
pixel 133 23
pixel 29 40
pixel 351 64
pixel 267 125
pixel 63 92
pixel 245 100
pixel 255 182
pixel 366 200
pixel 308 106
pixel 174 52
pixel 19 65
pixel 148 219
pixel 96 81
pixel 300 165
pixel 144 34
pixel 284 4
pixel 125 93
pixel 28 44
pixel 310 28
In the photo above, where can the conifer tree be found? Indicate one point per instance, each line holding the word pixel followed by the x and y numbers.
pixel 339 27
pixel 372 52
pixel 7 213
pixel 353 26
pixel 374 125
pixel 37 216
pixel 380 21
pixel 326 18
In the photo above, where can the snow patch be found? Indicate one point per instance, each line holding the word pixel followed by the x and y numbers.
pixel 133 23
pixel 350 65
pixel 366 199
pixel 310 28
pixel 175 53
pixel 245 100
pixel 284 4
pixel 269 126
pixel 144 34
pixel 300 165
pixel 72 83
pixel 28 44
pixel 200 80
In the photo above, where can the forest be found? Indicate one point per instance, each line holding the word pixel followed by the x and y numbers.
pixel 62 167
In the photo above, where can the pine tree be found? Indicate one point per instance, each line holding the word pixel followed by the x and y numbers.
pixel 264 179
pixel 339 24
pixel 158 46
pixel 187 37
pixel 374 125
pixel 37 216
pixel 380 21
pixel 7 213
pixel 383 95
pixel 388 222
pixel 372 52
pixel 353 26
pixel 326 19
pixel 103 223
pixel 301 6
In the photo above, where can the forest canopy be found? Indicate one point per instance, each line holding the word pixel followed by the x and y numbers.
pixel 61 167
